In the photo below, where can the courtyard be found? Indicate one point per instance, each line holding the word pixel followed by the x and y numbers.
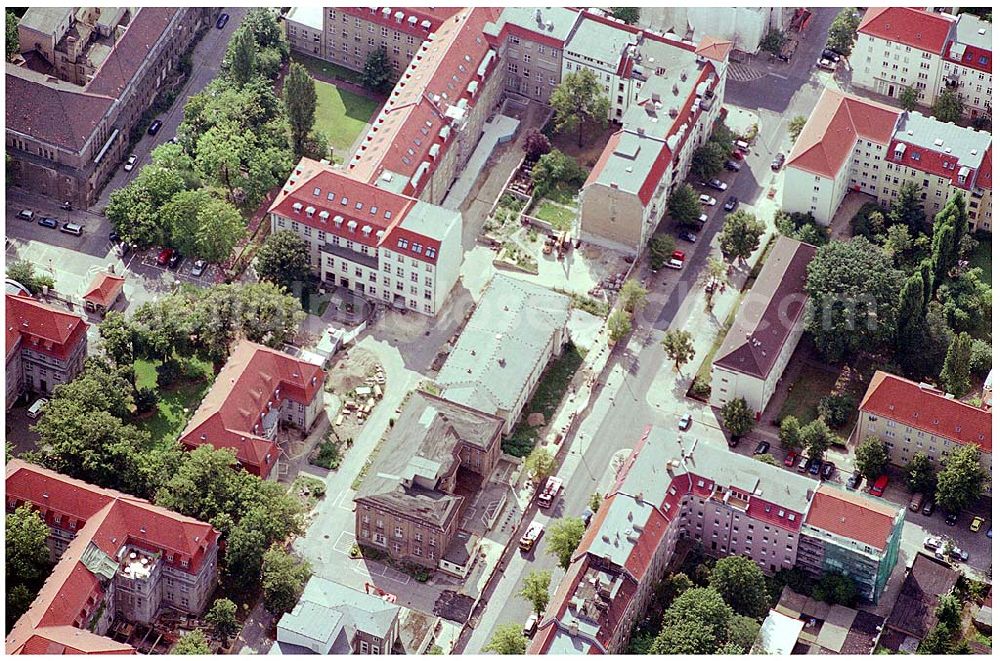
pixel 342 115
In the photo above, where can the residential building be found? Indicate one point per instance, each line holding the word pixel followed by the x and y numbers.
pixel 916 418
pixel 828 628
pixel 766 330
pixel 256 390
pixel 901 47
pixel 84 79
pixel 746 27
pixel 46 346
pixel 334 619
pixel 501 354
pixel 371 241
pixel 434 459
pixel 117 556
pixel 305 32
pixel 667 96
pixel 913 614
pixel 850 143
pixel 666 490
pixel 103 292
pixel 851 534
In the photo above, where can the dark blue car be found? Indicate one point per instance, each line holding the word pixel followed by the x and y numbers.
pixel 223 19
pixel 51 223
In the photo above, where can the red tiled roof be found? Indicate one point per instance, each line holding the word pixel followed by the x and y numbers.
pixel 774 514
pixel 42 327
pixel 926 30
pixel 435 15
pixel 985 178
pixel 972 57
pixel 938 163
pixel 926 408
pixel 827 139
pixel 714 48
pixel 104 289
pixel 70 640
pixel 653 531
pixel 852 515
pixel 244 387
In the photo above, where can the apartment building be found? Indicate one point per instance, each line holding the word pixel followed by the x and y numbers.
pixel 900 47
pixel 436 454
pixel 729 504
pixel 334 619
pixel 767 328
pixel 916 418
pixel 855 144
pixel 116 556
pixel 256 390
pixel 370 240
pixel 46 346
pixel 83 80
pixel 503 350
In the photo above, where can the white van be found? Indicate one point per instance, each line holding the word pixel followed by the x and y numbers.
pixel 531 535
pixel 72 228
pixel 35 409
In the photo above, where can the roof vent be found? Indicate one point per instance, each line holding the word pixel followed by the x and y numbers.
pixel 973 152
pixel 938 142
pixel 982 30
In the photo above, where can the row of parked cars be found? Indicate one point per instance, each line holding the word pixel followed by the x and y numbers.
pixel 76 229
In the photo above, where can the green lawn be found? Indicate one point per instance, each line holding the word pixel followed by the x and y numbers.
pixel 563 193
pixel 561 218
pixel 981 258
pixel 812 385
pixel 328 69
pixel 341 115
pixel 170 418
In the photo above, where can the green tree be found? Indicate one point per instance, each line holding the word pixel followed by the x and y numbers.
pixel 788 433
pixel 795 126
pixel 697 622
pixel 536 144
pixel 23 272
pixel 507 639
pixel 834 588
pixel 12 42
pixel 284 577
pixel 766 459
pixel 633 296
pixel 554 168
pixel 300 104
pixel 267 30
pixel 595 501
pixel 715 270
pixel 835 409
pixel 844 30
pixel 737 417
pixel 174 156
pixel 911 331
pixel 202 225
pixel 378 75
pixel 940 641
pixel 221 153
pixel 908 209
pixel 661 247
pixel 629 15
pixel 741 634
pixel 898 243
pixel 578 100
pixel 949 612
pixel 540 464
pixel 908 98
pixel 853 293
pixel 684 206
pixel 193 642
pixel 535 590
pixel 708 159
pixel 920 475
pixel 816 438
pixel 619 325
pixel 222 616
pixel 564 536
pixel 956 373
pixel 679 345
pixel 773 41
pixel 948 107
pixel 283 259
pixel 134 211
pixel 19 598
pixel 961 481
pixel 242 57
pixel 742 585
pixel 740 236
pixel 871 457
pixel 25 542
pixel 982 358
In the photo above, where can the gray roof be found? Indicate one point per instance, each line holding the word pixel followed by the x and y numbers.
pixel 325 607
pixel 600 41
pixel 967 31
pixel 961 142
pixel 562 20
pixel 310 16
pixel 45 19
pixel 503 342
pixel 430 221
pixel 631 161
pixel 422 448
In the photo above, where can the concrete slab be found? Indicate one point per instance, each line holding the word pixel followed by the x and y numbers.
pixel 500 129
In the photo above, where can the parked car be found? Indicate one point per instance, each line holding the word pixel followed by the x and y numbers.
pixel 26 214
pixel 175 260
pixel 587 515
pixel 762 448
pixel 803 464
pixel 932 543
pixel 198 268
pixel 707 200
pixel 928 508
pixel 690 237
pixel 989 532
pixel 685 422
pixel 676 260
pixel 130 163
pixel 959 554
pixel 831 55
pixel 164 257
pixel 977 523
pixel 732 166
pixel 778 161
pixel 718 184
pixel 742 146
pixel 703 218
pixel 814 466
pixel 854 480
pixel 113 237
pixel 72 228
pixel 36 409
pixel 51 223
pixel 737 154
pixel 731 203
pixel 154 128
pixel 951 518
pixel 530 625
pixel 916 502
pixel 878 488
pixel 223 19
pixel 827 471
pixel 790 458
pixel 826 65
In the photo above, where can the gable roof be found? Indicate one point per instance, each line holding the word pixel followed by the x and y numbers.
pixel 714 48
pixel 770 311
pixel 926 30
pixel 836 123
pixel 42 327
pixel 852 515
pixel 104 289
pixel 927 581
pixel 928 409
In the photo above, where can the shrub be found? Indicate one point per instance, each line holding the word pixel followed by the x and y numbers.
pixel 168 372
pixel 146 400
pixel 701 387
pixel 836 409
pixel 328 456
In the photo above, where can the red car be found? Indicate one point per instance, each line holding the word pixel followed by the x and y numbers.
pixel 737 154
pixel 164 257
pixel 790 458
pixel 878 488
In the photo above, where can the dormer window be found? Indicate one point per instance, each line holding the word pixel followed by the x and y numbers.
pixel 403 243
pixel 330 196
pixel 431 252
pixel 351 226
pixel 297 207
pixel 417 248
pixel 310 211
pixel 338 220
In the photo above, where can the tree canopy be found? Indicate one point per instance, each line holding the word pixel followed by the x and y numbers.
pixel 737 417
pixel 540 464
pixel 871 457
pixel 920 474
pixel 535 590
pixel 284 577
pixel 740 235
pixel 378 75
pixel 742 585
pixel 844 30
pixel 578 100
pixel 629 15
pixel 962 479
pixel 300 104
pixel 23 271
pixel 684 206
pixel 192 643
pixel 563 537
pixel 679 346
pixel 283 259
pixel 507 639
pixel 27 552
pixel 948 107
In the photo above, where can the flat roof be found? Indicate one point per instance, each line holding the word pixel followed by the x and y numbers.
pixel 925 132
pixel 538 20
pixel 45 19
pixel 604 43
pixel 973 31
pixel 310 16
